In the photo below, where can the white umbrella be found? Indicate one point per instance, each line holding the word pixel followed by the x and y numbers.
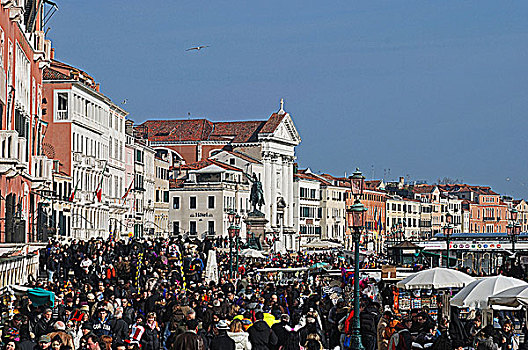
pixel 211 270
pixel 475 295
pixel 436 278
pixel 516 296
pixel 252 253
pixel 321 244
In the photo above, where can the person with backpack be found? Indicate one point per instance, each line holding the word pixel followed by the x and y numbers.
pixel 402 339
pixel 368 319
pixel 383 342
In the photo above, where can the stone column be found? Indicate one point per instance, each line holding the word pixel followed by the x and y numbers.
pixel 290 192
pixel 266 182
pixel 273 186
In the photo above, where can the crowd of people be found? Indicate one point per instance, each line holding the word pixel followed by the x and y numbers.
pixel 155 295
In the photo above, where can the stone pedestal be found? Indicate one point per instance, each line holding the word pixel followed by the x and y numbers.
pixel 256 222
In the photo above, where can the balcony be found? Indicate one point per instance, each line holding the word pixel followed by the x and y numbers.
pixel 22 154
pixel 62 115
pixel 8 150
pixel 489 218
pixel 41 168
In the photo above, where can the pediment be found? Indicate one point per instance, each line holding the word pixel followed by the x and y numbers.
pixel 286 131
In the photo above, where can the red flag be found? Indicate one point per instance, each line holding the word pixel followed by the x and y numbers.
pixel 72 196
pixel 99 194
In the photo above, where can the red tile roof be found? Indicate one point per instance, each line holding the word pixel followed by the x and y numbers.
pixel 423 188
pixel 244 157
pixel 52 74
pixel 205 130
pixel 207 162
pixel 176 183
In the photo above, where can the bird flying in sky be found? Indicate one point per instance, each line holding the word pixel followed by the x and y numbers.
pixel 197 48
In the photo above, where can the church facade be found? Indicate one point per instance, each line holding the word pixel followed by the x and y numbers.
pixel 270 143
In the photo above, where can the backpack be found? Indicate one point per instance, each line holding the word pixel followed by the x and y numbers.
pixel 397 342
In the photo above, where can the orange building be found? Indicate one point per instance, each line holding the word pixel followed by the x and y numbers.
pixel 24 170
pixel 487 212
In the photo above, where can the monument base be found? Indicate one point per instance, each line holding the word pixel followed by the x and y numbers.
pixel 256 222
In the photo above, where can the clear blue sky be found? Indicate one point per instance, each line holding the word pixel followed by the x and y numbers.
pixel 427 89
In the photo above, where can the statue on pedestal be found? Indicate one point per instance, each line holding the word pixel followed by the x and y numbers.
pixel 256 195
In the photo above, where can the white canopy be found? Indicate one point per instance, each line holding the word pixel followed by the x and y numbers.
pixel 475 295
pixel 321 244
pixel 252 253
pixel 436 278
pixel 516 296
pixel 211 270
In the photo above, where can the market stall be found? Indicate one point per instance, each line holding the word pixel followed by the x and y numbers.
pixel 475 295
pixel 429 289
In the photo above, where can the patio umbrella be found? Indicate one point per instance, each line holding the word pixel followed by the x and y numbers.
pixel 252 253
pixel 516 296
pixel 436 278
pixel 319 265
pixel 475 295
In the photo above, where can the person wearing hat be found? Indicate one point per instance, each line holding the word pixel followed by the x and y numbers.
pixel 222 341
pixel 44 342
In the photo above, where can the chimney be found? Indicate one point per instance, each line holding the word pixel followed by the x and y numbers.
pixel 52 53
pixel 97 87
pixel 401 183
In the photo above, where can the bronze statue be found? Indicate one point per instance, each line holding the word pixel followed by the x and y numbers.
pixel 257 194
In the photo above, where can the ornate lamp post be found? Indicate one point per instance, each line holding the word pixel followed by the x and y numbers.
pixel 448 231
pixel 234 232
pixel 356 223
pixel 514 227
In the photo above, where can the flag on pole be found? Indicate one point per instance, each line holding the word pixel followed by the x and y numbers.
pixel 380 224
pixel 99 190
pixel 128 190
pixel 72 196
pixel 375 220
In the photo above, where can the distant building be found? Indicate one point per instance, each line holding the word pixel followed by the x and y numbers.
pixel 86 135
pixel 270 142
pixel 202 197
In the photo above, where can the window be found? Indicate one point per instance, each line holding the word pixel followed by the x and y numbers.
pixel 211 227
pixel 232 161
pixel 62 106
pixel 192 202
pixel 165 196
pixel 192 227
pixel 175 202
pixel 176 227
pixel 211 202
pixel 157 195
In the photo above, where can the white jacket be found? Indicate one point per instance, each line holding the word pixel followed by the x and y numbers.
pixel 241 340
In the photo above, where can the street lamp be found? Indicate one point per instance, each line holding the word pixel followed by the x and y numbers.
pixel 234 231
pixel 514 227
pixel 448 231
pixel 356 223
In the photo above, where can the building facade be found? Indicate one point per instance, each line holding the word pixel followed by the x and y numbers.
pixel 85 134
pixel 271 142
pixel 202 197
pixel 25 171
pixel 161 203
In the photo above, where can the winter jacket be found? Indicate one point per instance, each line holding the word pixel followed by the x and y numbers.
pixel 241 340
pixel 261 336
pixel 222 342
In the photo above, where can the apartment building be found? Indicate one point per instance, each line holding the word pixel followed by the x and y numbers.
pixel 85 134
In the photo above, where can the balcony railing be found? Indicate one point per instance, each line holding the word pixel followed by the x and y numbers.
pixel 41 168
pixel 62 115
pixel 489 218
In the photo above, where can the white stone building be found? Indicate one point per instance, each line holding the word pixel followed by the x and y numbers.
pixel 309 211
pixel 202 197
pixel 86 135
pixel 270 142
